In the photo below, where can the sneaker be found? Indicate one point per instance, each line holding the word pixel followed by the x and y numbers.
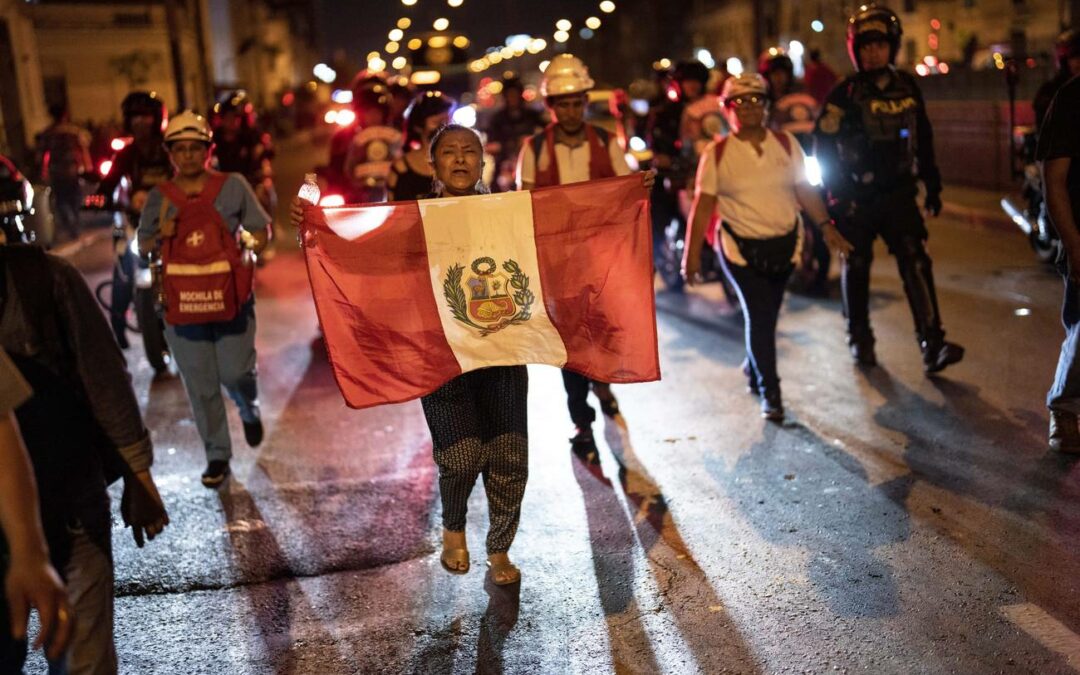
pixel 772 408
pixel 253 432
pixel 1064 435
pixel 751 381
pixel 583 445
pixel 937 356
pixel 216 473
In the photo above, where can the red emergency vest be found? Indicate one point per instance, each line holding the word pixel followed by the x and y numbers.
pixel 599 159
pixel 205 279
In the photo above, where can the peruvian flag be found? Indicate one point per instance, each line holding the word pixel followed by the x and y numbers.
pixel 413 294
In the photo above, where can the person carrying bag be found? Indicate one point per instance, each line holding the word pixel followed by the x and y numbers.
pixel 756 179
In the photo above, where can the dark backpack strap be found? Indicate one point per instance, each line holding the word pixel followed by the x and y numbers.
pixel 784 139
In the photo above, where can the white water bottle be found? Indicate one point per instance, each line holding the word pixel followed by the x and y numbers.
pixel 309 191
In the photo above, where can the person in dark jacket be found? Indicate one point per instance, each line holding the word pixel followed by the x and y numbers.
pixel 54 331
pixel 874 143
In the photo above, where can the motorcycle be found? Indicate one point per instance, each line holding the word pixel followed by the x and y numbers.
pixel 16 204
pixel 135 281
pixel 1030 215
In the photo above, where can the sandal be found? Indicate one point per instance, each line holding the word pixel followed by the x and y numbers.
pixel 454 560
pixel 503 573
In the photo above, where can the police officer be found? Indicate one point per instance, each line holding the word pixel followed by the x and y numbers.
pixel 874 143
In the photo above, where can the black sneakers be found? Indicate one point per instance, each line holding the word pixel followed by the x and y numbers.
pixel 862 350
pixel 583 445
pixel 937 356
pixel 253 432
pixel 772 407
pixel 216 473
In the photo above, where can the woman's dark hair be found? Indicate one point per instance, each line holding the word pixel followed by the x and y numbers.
pixel 481 187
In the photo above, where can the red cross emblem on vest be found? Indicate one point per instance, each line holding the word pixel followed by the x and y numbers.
pixel 195 239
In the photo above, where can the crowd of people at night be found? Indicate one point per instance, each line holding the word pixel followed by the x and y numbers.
pixel 731 200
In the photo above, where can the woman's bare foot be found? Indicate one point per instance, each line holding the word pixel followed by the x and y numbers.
pixel 502 571
pixel 455 554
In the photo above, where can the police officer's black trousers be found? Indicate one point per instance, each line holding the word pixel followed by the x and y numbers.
pixel 479 427
pixel 896 218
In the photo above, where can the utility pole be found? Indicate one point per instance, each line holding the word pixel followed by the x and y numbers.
pixel 172 20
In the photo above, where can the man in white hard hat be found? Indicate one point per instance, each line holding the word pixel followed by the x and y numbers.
pixel 570 150
pixel 217 352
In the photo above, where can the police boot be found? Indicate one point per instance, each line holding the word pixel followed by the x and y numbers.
pixel 855 285
pixel 916 271
pixel 1064 434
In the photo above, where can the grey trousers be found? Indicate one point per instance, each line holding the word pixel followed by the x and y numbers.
pixel 89 579
pixel 479 427
pixel 212 356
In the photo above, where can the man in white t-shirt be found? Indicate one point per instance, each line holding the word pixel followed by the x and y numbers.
pixel 570 150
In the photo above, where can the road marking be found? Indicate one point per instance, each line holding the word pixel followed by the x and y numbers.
pixel 1047 630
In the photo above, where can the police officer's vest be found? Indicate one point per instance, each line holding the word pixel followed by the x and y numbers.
pixel 599 160
pixel 878 141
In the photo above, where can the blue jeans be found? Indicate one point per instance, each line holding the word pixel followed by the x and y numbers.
pixel 1064 394
pixel 212 356
pixel 761 297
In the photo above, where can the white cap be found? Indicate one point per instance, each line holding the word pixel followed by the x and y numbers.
pixel 749 83
pixel 188 126
pixel 565 74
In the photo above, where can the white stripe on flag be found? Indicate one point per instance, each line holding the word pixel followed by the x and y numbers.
pixel 460 233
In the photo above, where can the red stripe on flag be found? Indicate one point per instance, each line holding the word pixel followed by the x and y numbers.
pixel 594 247
pixel 376 308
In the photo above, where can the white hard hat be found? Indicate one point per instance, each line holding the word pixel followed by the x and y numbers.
pixel 750 83
pixel 188 126
pixel 566 74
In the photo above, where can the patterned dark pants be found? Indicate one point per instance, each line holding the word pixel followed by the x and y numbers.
pixel 478 424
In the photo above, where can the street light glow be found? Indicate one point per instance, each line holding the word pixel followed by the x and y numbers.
pixel 593 22
pixel 324 73
pixel 376 65
pixel 734 66
pixel 607 6
pixel 563 25
pixel 404 22
pixel 408 3
pixel 415 43
pixel 461 42
pixel 561 36
pixel 454 3
pixel 536 46
pixel 441 23
pixel 544 65
pixel 395 35
pixel 391 47
pixel 399 63
pixel 817 26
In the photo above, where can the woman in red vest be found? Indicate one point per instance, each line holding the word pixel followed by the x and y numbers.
pixel 570 150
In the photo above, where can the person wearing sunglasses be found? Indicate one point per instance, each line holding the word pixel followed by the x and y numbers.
pixel 755 180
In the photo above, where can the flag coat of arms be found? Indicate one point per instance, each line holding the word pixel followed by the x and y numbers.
pixel 412 294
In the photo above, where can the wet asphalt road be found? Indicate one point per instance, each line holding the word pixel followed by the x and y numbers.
pixel 894 524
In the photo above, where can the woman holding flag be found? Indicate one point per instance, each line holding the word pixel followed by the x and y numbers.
pixel 477 420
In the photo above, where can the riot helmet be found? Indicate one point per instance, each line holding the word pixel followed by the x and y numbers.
pixel 873 24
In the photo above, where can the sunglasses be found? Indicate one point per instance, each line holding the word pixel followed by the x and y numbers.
pixel 740 101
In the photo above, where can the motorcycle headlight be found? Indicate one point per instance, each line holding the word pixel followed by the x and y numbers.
pixel 813 171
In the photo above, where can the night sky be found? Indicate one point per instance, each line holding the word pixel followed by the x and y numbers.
pixel 361 26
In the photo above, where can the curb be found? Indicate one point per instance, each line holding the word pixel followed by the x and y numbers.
pixel 995 220
pixel 71 248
